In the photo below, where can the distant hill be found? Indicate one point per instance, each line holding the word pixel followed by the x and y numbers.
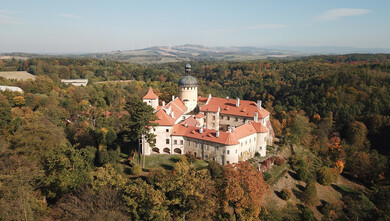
pixel 164 54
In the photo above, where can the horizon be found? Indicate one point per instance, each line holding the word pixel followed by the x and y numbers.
pixel 72 27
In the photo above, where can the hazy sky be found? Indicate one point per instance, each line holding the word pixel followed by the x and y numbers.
pixel 68 26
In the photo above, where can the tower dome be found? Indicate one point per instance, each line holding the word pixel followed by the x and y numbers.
pixel 188 90
pixel 188 81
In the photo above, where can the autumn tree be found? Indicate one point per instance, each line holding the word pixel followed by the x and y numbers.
pixel 300 129
pixel 66 169
pixel 357 135
pixel 37 137
pixel 243 190
pixel 309 194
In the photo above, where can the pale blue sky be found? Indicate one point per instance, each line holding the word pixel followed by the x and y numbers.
pixel 74 26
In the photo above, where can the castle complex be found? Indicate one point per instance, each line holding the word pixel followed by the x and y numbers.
pixel 221 129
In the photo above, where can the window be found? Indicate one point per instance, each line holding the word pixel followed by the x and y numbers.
pixel 228 118
pixel 223 151
pixel 166 130
pixel 265 139
pixel 207 156
pixel 236 151
pixel 250 140
pixel 154 129
pixel 213 117
pixel 241 143
pixel 246 142
pixel 236 118
pixel 261 147
pixel 181 142
pixel 254 139
pixel 175 142
pixel 213 124
pixel 227 162
pixel 167 141
pixel 188 143
pixel 228 152
pixel 221 117
pixel 154 141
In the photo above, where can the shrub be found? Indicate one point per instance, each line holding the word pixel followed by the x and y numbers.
pixel 309 195
pixel 136 169
pixel 326 176
pixel 257 154
pixel 267 176
pixel 190 157
pixel 307 214
pixel 286 194
pixel 280 161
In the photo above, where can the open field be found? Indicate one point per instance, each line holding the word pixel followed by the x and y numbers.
pixel 17 75
pixel 166 161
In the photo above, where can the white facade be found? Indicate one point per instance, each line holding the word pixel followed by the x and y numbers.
pixel 189 96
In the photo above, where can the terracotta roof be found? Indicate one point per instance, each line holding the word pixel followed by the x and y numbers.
pixel 191 121
pixel 200 115
pixel 202 99
pixel 177 107
pixel 225 138
pixel 150 94
pixel 228 107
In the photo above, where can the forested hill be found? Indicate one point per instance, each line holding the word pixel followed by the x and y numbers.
pixel 65 151
pixel 351 87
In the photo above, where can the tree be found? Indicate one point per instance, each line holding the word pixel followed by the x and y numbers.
pixel 243 189
pixel 5 114
pixel 357 135
pixel 37 137
pixel 143 202
pixel 66 169
pixel 88 204
pixel 138 121
pixel 309 195
pixel 300 129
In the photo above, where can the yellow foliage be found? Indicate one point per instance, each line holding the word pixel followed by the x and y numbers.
pixel 339 166
pixel 19 100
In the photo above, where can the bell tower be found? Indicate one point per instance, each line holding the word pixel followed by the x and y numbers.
pixel 188 90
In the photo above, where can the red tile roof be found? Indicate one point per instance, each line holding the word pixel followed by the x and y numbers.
pixel 225 138
pixel 177 107
pixel 150 94
pixel 191 121
pixel 228 107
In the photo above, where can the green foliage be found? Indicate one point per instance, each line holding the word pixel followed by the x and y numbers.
pixel 359 207
pixel 65 170
pixel 309 194
pixel 285 194
pixel 300 129
pixel 326 176
pixel 37 137
pixel 216 169
pixel 302 169
pixel 143 202
pixel 307 214
pixel 136 169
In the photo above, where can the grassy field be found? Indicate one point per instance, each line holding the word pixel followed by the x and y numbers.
pixel 167 161
pixel 17 75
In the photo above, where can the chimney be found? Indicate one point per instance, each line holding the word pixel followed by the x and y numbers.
pixel 217 133
pixel 163 103
pixel 208 99
pixel 237 102
pixel 173 115
pixel 168 110
pixel 259 104
pixel 186 125
pixel 256 117
pixel 230 130
pixel 227 97
pixel 233 128
pixel 173 97
pixel 201 130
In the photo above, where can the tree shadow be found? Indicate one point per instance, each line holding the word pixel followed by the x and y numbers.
pixel 166 166
pixel 297 193
pixel 344 192
pixel 300 187
pixel 293 175
pixel 322 206
pixel 174 160
pixel 279 194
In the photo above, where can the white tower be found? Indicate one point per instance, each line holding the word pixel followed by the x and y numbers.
pixel 151 98
pixel 188 90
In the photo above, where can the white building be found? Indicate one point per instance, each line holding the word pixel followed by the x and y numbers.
pixel 224 130
pixel 11 88
pixel 75 82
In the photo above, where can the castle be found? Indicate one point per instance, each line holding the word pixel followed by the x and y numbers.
pixel 221 129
